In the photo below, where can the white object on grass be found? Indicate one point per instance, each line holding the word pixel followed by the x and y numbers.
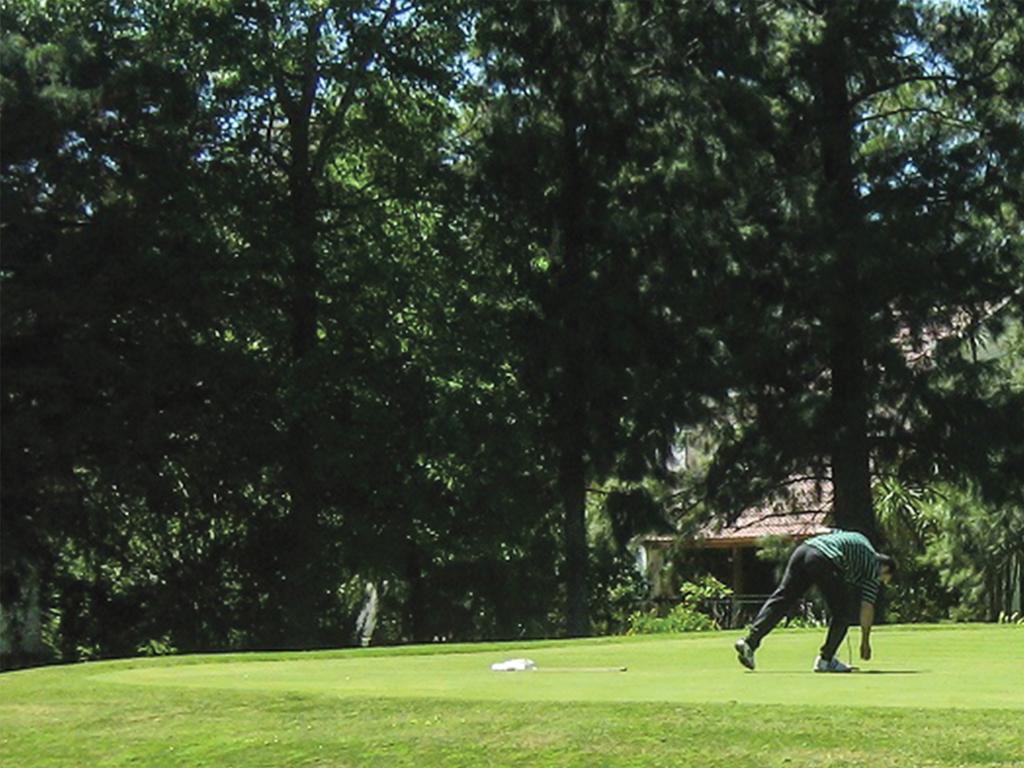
pixel 514 665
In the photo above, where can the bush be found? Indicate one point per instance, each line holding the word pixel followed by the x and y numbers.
pixel 682 618
pixel 704 588
pixel 157 647
pixel 685 617
pixel 804 622
pixel 617 591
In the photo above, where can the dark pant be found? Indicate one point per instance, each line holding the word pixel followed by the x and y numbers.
pixel 807 566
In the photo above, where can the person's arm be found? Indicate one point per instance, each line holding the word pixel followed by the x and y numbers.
pixel 867 618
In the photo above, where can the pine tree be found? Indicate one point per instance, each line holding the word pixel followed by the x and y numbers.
pixel 892 222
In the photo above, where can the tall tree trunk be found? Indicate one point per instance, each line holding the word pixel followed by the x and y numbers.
pixel 572 490
pixel 851 471
pixel 302 542
pixel 302 561
pixel 571 400
pixel 416 603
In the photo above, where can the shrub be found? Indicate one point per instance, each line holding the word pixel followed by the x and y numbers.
pixel 704 588
pixel 682 618
pixel 162 646
pixel 686 616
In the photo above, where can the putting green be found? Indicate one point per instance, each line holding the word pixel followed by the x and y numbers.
pixel 978 667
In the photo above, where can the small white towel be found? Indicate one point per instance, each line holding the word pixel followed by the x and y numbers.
pixel 514 665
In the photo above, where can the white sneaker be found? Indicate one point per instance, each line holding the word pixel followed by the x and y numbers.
pixel 745 653
pixel 831 665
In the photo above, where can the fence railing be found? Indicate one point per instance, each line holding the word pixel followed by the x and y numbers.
pixel 739 610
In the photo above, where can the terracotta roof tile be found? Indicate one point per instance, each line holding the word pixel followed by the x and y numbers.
pixel 800 511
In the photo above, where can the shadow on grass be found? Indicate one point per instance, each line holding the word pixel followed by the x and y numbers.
pixel 840 674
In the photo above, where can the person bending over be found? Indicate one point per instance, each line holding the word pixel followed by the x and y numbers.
pixel 833 562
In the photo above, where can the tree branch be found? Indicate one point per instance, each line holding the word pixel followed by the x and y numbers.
pixel 276 73
pixel 920 78
pixel 338 118
pixel 311 74
pixel 883 87
pixel 943 117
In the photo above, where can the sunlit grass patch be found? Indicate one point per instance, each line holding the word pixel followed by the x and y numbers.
pixel 952 696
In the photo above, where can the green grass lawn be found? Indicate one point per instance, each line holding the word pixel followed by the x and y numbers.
pixel 951 695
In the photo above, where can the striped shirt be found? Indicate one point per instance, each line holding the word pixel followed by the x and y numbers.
pixel 855 557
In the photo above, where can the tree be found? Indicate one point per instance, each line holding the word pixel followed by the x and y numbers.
pixel 254 166
pixel 600 163
pixel 552 144
pixel 113 280
pixel 335 112
pixel 887 134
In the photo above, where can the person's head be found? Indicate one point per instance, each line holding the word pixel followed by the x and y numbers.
pixel 886 568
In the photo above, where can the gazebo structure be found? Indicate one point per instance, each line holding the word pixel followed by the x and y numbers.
pixel 729 551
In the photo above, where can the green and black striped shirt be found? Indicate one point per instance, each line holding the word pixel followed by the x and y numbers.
pixel 856 558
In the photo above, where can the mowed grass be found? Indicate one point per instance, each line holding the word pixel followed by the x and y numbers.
pixel 933 696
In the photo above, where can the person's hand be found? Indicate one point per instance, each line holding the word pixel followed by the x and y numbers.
pixel 865 650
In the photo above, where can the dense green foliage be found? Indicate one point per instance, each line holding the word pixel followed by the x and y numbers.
pixel 689 615
pixel 331 319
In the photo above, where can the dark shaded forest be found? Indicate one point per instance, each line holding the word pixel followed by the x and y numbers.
pixel 308 306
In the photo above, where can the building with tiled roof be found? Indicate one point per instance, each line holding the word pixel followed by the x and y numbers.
pixel 800 510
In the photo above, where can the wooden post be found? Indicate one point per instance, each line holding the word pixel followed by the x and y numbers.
pixel 737 570
pixel 737 582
